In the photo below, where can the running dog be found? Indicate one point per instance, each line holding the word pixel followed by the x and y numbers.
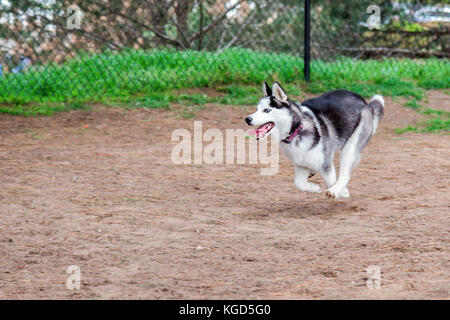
pixel 311 133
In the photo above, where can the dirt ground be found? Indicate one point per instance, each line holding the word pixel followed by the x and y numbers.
pixel 97 189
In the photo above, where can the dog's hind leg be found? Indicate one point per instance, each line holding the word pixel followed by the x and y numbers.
pixel 301 180
pixel 351 155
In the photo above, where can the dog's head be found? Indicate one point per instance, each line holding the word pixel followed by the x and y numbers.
pixel 274 111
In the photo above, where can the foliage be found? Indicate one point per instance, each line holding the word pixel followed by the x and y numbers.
pixel 111 75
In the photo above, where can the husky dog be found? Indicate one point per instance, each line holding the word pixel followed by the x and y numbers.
pixel 311 133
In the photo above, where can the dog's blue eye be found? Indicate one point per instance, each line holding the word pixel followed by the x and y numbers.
pixel 267 110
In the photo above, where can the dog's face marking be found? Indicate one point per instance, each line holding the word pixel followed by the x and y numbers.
pixel 272 111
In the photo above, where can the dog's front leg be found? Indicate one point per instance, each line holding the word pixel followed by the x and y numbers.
pixel 301 180
pixel 329 175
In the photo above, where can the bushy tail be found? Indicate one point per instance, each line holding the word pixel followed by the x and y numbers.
pixel 377 106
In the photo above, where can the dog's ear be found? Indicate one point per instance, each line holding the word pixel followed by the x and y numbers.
pixel 266 90
pixel 279 93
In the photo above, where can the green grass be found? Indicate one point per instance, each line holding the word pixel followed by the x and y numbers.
pixel 138 78
pixel 440 113
pixel 160 100
pixel 433 125
pixel 439 121
pixel 226 95
pixel 413 104
pixel 45 109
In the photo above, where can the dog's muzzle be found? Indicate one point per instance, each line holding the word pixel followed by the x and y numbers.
pixel 248 120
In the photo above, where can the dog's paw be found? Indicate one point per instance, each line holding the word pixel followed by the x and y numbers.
pixel 332 193
pixel 309 187
pixel 314 188
pixel 336 194
pixel 344 193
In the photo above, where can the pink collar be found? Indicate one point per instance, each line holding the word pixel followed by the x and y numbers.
pixel 295 133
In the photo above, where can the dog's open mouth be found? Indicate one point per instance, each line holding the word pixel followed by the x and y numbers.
pixel 263 130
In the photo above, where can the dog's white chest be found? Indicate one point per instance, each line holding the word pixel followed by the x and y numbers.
pixel 303 157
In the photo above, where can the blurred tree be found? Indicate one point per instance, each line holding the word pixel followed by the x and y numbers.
pixel 39 29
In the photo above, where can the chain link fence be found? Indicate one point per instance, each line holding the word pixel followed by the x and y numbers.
pixel 58 50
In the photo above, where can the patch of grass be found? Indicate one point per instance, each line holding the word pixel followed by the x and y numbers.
pixel 139 78
pixel 41 109
pixel 153 101
pixel 239 95
pixel 437 124
pixel 196 99
pixel 227 95
pixel 406 129
pixel 162 100
pixel 429 84
pixel 433 125
pixel 413 104
pixel 441 113
pixel 249 95
pixel 389 77
pixel 148 79
pixel 76 106
pixel 440 121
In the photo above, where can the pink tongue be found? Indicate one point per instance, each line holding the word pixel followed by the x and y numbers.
pixel 260 131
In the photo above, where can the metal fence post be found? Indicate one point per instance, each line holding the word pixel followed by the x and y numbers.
pixel 306 55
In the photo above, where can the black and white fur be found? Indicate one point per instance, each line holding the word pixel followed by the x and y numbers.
pixel 337 120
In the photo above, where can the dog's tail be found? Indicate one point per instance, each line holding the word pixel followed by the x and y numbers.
pixel 376 105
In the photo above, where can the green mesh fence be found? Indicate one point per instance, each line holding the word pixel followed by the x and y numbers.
pixel 58 50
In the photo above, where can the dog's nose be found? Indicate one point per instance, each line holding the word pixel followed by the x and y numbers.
pixel 248 120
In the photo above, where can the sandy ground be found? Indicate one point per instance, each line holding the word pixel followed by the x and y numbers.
pixel 97 189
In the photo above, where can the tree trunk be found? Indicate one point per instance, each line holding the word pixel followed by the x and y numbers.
pixel 182 11
pixel 159 14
